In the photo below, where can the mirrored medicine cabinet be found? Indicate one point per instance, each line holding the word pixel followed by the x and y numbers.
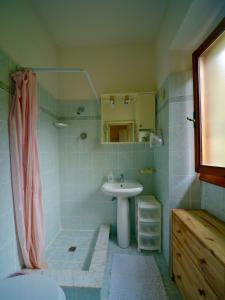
pixel 127 117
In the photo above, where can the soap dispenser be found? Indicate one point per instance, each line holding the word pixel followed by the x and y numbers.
pixel 110 177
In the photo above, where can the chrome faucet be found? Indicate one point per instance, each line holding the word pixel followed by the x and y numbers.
pixel 121 178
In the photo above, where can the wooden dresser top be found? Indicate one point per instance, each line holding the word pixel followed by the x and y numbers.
pixel 208 229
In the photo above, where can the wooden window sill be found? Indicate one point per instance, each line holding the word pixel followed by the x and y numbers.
pixel 213 179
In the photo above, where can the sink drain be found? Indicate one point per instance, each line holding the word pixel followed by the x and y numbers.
pixel 72 248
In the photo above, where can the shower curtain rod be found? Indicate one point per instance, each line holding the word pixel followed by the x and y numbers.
pixel 70 70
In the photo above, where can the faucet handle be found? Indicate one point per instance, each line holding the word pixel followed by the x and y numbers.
pixel 122 177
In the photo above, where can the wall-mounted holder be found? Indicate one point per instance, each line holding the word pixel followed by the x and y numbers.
pixel 156 138
pixel 146 171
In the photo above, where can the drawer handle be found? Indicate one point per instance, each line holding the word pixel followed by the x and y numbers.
pixel 178 231
pixel 179 276
pixel 201 292
pixel 178 255
pixel 202 261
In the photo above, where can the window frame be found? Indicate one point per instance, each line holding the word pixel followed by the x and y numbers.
pixel 211 174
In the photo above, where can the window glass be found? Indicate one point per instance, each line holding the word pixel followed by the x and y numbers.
pixel 212 103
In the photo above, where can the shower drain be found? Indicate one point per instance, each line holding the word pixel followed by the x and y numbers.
pixel 72 248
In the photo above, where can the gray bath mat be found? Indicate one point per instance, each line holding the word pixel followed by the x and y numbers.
pixel 135 277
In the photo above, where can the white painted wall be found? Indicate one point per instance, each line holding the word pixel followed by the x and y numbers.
pixel 170 25
pixel 185 25
pixel 25 40
pixel 114 69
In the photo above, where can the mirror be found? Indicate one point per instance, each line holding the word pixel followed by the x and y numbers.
pixel 127 117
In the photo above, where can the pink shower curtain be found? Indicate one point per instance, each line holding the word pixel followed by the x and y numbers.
pixel 26 182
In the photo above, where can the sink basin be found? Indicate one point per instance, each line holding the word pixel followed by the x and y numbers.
pixel 122 189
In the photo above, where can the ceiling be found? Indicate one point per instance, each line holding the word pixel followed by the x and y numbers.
pixel 73 23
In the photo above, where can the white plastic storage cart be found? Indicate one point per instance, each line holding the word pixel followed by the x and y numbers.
pixel 148 223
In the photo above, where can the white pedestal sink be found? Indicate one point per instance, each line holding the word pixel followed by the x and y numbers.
pixel 122 190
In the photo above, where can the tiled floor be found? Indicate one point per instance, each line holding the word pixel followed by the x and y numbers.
pixel 58 256
pixel 171 290
pixel 78 284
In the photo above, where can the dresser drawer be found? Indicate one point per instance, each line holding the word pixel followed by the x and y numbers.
pixel 188 278
pixel 201 257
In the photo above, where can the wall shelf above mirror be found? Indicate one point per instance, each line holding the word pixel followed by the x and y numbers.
pixel 127 117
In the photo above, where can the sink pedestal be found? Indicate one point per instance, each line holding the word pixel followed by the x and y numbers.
pixel 122 190
pixel 123 222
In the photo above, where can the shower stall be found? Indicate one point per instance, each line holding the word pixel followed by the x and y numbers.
pixel 74 208
pixel 76 238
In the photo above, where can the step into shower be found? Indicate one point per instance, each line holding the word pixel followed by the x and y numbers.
pixel 78 282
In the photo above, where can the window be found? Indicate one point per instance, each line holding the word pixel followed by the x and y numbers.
pixel 209 102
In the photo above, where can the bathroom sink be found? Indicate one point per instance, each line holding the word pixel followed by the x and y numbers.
pixel 122 189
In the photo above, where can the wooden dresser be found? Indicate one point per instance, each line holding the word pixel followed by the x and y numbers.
pixel 198 254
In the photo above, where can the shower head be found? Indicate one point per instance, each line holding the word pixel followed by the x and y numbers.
pixel 60 124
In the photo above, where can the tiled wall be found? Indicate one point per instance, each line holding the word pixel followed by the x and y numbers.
pixel 187 190
pixel 48 142
pixel 213 199
pixel 161 165
pixel 175 182
pixel 85 165
pixel 9 261
pixel 77 166
pixel 49 162
pixel 184 186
